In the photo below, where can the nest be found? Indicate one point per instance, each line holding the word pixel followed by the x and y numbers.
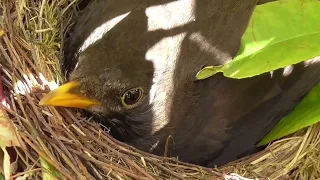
pixel 60 143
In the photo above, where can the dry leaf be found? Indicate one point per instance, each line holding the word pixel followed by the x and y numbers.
pixel 6 164
pixel 7 138
pixel 7 132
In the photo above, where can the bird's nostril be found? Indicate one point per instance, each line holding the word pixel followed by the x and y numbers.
pixel 83 92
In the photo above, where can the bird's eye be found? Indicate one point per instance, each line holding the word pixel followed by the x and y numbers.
pixel 131 98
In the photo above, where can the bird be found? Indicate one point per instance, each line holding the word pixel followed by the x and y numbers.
pixel 134 63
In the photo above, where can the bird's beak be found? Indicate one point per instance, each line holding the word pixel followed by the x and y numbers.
pixel 62 96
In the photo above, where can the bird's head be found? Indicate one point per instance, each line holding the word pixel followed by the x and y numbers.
pixel 105 83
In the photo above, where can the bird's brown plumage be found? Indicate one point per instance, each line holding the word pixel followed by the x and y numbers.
pixel 160 45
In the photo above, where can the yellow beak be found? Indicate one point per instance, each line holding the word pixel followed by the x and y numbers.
pixel 62 97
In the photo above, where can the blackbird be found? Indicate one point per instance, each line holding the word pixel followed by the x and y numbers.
pixel 134 63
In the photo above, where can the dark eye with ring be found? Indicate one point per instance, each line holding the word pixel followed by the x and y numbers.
pixel 132 98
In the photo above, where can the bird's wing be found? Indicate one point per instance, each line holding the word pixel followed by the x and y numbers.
pixel 219 118
pixel 228 117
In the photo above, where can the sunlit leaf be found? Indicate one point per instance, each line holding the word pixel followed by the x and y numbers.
pixel 279 34
pixel 208 71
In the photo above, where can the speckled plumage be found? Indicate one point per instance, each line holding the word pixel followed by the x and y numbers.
pixel 160 45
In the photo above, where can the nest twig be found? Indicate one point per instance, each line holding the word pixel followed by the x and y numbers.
pixel 79 148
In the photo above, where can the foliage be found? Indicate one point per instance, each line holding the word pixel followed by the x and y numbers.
pixel 279 34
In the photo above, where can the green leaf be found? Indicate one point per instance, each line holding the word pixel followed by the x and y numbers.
pixel 306 113
pixel 49 172
pixel 208 71
pixel 279 34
